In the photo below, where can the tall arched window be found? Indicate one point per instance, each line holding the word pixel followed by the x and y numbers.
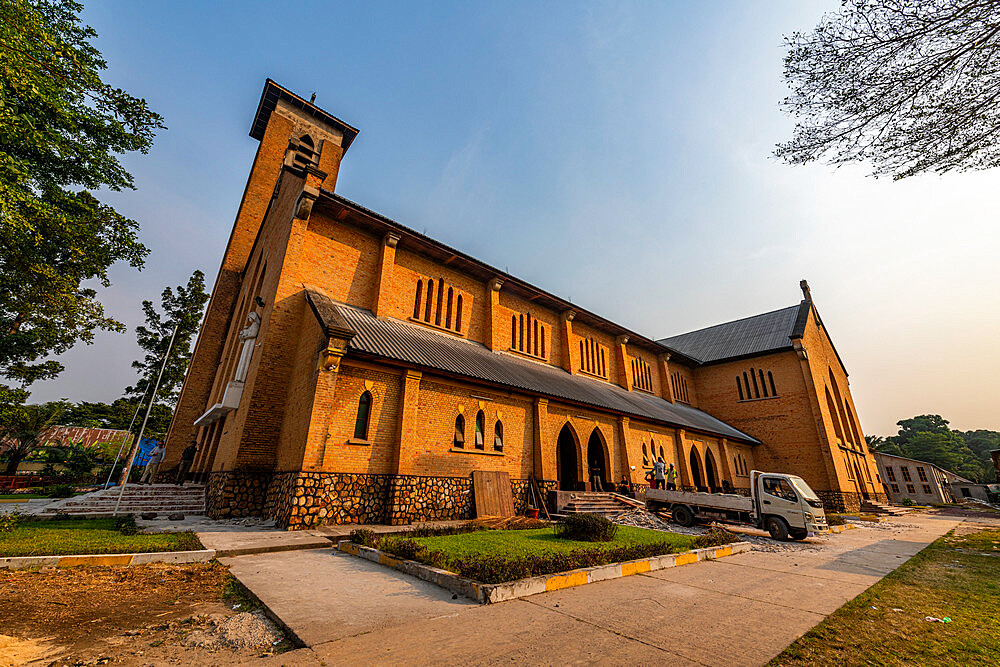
pixel 459 432
pixel 430 297
pixel 458 313
pixel 513 332
pixel 770 379
pixel 364 413
pixel 447 317
pixel 440 302
pixel 736 465
pixel 541 333
pixel 739 388
pixel 498 436
pixel 480 430
pixel 763 385
pixel 416 300
pixel 645 457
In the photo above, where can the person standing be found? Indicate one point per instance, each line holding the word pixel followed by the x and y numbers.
pixel 658 473
pixel 671 478
pixel 595 476
pixel 155 457
pixel 187 458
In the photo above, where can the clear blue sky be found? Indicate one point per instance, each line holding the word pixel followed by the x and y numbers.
pixel 617 154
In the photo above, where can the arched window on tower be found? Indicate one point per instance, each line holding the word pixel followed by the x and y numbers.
pixel 645 457
pixel 480 430
pixel 364 413
pixel 458 313
pixel 498 436
pixel 770 380
pixel 416 300
pixel 739 388
pixel 459 441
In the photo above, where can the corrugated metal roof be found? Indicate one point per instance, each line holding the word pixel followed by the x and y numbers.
pixel 741 338
pixel 414 344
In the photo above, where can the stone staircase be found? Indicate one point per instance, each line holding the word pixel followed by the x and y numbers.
pixel 606 504
pixel 159 498
pixel 875 507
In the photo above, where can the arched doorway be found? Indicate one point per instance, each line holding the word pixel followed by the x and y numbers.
pixel 710 475
pixel 567 465
pixel 598 453
pixel 696 469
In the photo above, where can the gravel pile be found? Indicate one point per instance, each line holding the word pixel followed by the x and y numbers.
pixel 248 630
pixel 638 518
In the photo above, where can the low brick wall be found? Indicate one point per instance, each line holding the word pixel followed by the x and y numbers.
pixel 839 501
pixel 298 499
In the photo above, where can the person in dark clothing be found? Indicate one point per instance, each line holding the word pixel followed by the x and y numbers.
pixel 625 487
pixel 595 476
pixel 187 458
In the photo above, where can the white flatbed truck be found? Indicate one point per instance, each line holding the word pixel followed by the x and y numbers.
pixel 781 504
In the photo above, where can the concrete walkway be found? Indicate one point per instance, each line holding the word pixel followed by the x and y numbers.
pixel 741 610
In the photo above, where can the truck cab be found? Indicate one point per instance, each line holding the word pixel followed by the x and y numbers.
pixel 785 506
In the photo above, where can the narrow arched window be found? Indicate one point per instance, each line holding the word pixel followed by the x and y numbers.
pixel 541 334
pixel 416 299
pixel 480 430
pixel 736 465
pixel 440 300
pixel 458 314
pixel 364 412
pixel 604 368
pixel 513 332
pixel 763 385
pixel 430 298
pixel 447 317
pixel 739 388
pixel 498 436
pixel 756 389
pixel 459 432
pixel 661 452
pixel 520 333
pixel 645 457
pixel 534 342
pixel 770 380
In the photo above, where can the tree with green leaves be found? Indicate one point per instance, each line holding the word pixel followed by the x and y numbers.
pixel 929 438
pixel 907 86
pixel 23 430
pixel 117 415
pixel 62 132
pixel 181 308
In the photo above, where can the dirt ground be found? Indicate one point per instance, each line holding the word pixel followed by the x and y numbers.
pixel 143 615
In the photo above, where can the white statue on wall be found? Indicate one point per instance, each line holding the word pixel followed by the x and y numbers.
pixel 248 335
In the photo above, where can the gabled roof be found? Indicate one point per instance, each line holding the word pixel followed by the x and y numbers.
pixel 412 344
pixel 750 336
pixel 269 100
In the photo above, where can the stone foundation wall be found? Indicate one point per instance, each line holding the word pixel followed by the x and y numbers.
pixel 297 500
pixel 236 493
pixel 843 501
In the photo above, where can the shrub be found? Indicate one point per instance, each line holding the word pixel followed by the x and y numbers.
pixel 906 501
pixel 715 537
pixel 508 523
pixel 364 537
pixel 401 547
pixel 59 491
pixel 834 520
pixel 9 522
pixel 126 525
pixel 586 528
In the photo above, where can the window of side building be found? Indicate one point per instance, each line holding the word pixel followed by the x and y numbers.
pixel 921 474
pixel 906 474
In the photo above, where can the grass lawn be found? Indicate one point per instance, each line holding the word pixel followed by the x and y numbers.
pixel 956 577
pixel 516 543
pixel 87 536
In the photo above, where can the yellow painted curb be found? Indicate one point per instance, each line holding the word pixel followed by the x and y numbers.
pixel 684 559
pixel 638 567
pixel 109 559
pixel 724 551
pixel 567 581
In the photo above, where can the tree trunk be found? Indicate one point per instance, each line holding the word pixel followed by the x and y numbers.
pixel 12 463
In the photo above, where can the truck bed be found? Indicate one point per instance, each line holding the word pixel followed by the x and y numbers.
pixel 725 501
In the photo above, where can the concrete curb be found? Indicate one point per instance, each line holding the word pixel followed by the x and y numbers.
pixel 24 562
pixel 490 593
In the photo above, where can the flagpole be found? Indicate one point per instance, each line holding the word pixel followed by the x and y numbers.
pixel 149 408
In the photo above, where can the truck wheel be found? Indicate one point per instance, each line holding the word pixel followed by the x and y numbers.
pixel 778 528
pixel 683 515
pixel 798 534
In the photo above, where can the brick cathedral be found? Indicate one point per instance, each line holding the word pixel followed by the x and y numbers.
pixel 352 370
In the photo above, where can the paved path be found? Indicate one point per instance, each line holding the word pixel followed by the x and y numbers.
pixel 739 610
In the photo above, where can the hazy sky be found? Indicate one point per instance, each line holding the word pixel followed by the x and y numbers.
pixel 615 154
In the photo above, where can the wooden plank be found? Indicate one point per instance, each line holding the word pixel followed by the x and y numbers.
pixel 492 492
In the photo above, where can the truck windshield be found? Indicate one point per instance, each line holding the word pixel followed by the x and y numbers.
pixel 803 488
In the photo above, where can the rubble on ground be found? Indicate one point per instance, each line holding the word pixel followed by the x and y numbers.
pixel 247 630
